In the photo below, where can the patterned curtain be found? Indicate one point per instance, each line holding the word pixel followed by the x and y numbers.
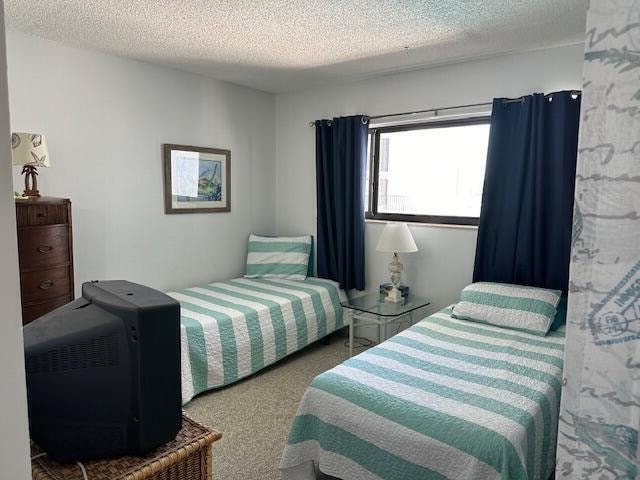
pixel 600 410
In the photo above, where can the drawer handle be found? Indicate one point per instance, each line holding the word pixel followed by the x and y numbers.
pixel 45 248
pixel 46 285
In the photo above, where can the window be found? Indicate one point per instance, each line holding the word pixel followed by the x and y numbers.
pixel 431 173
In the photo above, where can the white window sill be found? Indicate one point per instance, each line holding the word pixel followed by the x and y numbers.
pixel 431 225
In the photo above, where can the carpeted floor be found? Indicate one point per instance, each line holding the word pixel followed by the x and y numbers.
pixel 254 415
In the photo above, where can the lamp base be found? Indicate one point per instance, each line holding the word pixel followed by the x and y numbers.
pixel 394 296
pixel 30 188
pixel 395 269
pixel 31 194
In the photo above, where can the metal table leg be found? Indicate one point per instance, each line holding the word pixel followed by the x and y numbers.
pixel 384 329
pixel 351 328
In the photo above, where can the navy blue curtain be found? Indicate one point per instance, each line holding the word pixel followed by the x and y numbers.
pixel 524 236
pixel 341 149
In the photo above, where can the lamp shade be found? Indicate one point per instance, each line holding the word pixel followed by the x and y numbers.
pixel 29 149
pixel 396 238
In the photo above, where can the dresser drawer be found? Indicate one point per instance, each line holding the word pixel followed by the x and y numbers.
pixel 42 247
pixel 29 214
pixel 36 310
pixel 45 284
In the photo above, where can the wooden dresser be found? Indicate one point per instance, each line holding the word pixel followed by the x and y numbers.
pixel 45 251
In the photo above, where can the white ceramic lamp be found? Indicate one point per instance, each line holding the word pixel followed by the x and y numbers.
pixel 29 150
pixel 396 238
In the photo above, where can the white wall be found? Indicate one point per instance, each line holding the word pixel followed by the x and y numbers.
pixel 105 119
pixel 14 452
pixel 444 263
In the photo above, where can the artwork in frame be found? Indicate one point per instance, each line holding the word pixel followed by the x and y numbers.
pixel 196 179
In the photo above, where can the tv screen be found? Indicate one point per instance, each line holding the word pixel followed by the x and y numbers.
pixel 103 373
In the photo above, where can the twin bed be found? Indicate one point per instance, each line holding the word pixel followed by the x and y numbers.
pixel 446 398
pixel 232 329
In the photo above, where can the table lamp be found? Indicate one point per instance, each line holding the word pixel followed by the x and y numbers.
pixel 395 238
pixel 30 151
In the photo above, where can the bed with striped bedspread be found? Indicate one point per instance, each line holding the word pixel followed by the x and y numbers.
pixel 232 329
pixel 446 398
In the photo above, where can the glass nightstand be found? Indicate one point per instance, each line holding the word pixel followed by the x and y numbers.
pixel 372 309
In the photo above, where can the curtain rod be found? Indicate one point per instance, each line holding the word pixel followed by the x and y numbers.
pixel 366 118
pixel 430 110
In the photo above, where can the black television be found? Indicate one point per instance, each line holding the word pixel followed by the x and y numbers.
pixel 103 373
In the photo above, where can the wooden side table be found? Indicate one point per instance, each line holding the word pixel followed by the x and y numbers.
pixel 188 457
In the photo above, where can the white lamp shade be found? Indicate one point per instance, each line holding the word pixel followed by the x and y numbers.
pixel 396 238
pixel 29 149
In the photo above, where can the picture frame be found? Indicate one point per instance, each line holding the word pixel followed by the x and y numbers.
pixel 196 179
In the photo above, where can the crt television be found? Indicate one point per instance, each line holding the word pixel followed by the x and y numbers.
pixel 103 373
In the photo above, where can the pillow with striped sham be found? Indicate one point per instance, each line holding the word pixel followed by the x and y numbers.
pixel 278 257
pixel 528 309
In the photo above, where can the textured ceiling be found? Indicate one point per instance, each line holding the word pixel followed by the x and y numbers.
pixel 282 45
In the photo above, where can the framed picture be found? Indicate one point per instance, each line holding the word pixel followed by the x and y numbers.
pixel 196 179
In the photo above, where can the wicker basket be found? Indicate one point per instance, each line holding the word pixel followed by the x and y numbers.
pixel 188 457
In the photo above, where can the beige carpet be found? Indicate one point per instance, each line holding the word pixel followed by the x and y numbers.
pixel 254 415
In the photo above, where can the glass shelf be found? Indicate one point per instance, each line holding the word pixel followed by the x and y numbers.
pixel 375 304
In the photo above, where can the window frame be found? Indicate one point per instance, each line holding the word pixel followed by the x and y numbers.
pixel 374 169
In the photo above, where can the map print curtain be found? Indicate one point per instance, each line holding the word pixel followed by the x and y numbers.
pixel 600 411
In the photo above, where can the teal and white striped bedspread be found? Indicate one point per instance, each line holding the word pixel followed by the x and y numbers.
pixel 234 328
pixel 446 398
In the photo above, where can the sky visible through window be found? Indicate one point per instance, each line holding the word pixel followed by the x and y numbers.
pixel 435 171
